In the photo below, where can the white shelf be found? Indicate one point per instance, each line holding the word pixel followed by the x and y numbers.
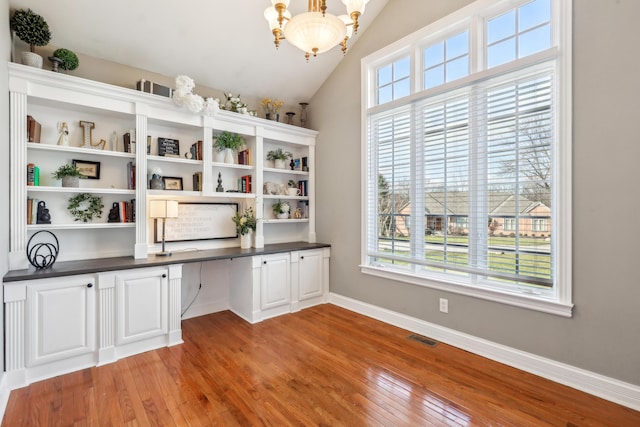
pixel 164 159
pixel 277 196
pixel 286 171
pixel 78 150
pixel 44 189
pixel 174 193
pixel 232 166
pixel 284 221
pixel 230 195
pixel 81 225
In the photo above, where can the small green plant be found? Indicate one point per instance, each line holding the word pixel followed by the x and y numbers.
pixel 229 140
pixel 68 58
pixel 279 154
pixel 67 170
pixel 292 184
pixel 281 207
pixel 245 221
pixel 31 28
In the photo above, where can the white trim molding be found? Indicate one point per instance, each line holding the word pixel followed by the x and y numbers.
pixel 590 382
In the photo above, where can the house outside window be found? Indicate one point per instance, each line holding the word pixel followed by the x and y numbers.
pixel 463 159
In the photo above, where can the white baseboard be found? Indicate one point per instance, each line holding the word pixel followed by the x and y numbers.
pixel 598 385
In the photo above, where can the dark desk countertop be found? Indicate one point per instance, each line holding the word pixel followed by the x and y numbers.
pixel 71 268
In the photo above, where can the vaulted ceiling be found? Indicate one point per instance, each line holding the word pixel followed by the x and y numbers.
pixel 220 44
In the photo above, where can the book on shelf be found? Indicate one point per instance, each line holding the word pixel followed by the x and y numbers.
pixel 244 184
pixel 131 176
pixel 196 150
pixel 302 186
pixel 31 178
pixel 34 129
pixel 29 209
pixel 32 213
pixel 127 210
pixel 244 157
pixel 197 181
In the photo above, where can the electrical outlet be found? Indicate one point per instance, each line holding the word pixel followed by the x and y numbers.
pixel 444 305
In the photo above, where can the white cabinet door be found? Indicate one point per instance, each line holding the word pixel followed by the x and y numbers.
pixel 60 319
pixel 275 283
pixel 310 274
pixel 142 307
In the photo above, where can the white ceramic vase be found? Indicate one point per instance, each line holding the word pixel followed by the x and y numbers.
pixel 283 215
pixel 32 59
pixel 245 241
pixel 229 156
pixel 279 164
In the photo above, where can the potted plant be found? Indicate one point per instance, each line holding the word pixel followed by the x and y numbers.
pixel 32 29
pixel 271 108
pixel 245 225
pixel 281 209
pixel 227 143
pixel 65 59
pixel 69 174
pixel 279 157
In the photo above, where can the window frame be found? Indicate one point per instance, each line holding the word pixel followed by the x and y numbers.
pixel 473 17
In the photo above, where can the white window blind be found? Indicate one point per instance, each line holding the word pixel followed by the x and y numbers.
pixel 461 174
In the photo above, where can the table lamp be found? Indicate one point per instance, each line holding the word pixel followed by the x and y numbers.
pixel 163 209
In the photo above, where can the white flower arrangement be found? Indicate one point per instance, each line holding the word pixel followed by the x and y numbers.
pixel 234 103
pixel 183 96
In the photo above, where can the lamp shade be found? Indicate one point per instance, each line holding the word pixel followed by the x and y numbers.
pixel 312 32
pixel 163 209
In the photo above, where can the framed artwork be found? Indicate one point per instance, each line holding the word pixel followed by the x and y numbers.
pixel 172 183
pixel 90 170
pixel 199 221
pixel 297 164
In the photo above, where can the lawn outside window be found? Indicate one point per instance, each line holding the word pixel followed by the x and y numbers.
pixel 468 173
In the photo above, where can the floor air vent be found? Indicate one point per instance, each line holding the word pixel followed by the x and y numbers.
pixel 423 340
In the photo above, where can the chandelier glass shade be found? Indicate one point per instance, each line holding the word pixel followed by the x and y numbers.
pixel 314 31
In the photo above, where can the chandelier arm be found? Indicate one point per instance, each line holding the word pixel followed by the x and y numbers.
pixel 323 6
pixel 354 17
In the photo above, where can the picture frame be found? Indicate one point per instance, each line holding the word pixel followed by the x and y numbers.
pixel 199 221
pixel 89 169
pixel 172 183
pixel 304 165
pixel 297 165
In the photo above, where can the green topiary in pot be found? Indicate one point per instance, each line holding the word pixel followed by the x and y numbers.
pixel 68 58
pixel 228 140
pixel 31 28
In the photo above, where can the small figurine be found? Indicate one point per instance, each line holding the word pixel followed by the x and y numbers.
pixel 114 213
pixel 219 188
pixel 63 129
pixel 292 165
pixel 298 213
pixel 42 215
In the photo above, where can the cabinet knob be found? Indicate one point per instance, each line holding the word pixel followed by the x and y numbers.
pixel 164 275
pixel 301 257
pixel 89 285
pixel 264 262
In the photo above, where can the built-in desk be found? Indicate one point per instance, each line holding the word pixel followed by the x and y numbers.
pixel 79 314
pixel 90 266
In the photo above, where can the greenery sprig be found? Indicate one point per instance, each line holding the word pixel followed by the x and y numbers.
pixel 228 140
pixel 31 28
pixel 245 221
pixel 279 154
pixel 84 207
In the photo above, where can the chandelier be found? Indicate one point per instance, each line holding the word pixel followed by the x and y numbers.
pixel 315 31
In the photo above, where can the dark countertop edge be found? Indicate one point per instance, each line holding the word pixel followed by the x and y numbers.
pixel 91 266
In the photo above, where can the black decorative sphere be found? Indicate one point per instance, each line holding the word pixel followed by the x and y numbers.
pixel 43 255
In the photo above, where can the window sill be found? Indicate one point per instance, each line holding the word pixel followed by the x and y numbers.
pixel 531 302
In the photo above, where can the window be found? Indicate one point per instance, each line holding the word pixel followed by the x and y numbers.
pixel 460 174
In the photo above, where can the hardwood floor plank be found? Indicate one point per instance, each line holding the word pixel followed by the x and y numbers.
pixel 323 366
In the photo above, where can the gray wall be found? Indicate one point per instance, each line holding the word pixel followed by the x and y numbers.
pixel 603 334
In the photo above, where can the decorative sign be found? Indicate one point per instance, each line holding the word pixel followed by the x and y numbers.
pixel 168 147
pixel 199 221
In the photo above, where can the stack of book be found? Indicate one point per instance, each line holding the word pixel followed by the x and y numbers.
pixel 244 157
pixel 196 150
pixel 302 185
pixel 33 175
pixel 244 184
pixel 126 211
pixel 32 210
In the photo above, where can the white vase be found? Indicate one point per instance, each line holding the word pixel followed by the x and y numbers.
pixel 279 164
pixel 229 156
pixel 245 241
pixel 32 59
pixel 284 215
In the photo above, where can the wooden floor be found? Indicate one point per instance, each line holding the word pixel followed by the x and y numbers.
pixel 324 366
